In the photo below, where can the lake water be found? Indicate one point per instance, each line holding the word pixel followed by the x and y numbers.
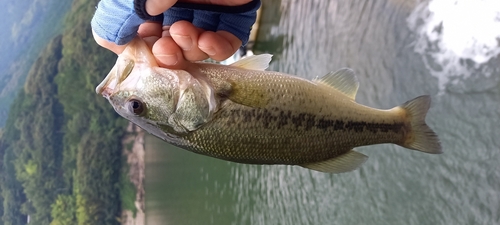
pixel 399 49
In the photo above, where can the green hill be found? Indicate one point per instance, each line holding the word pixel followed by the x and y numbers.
pixel 61 144
pixel 27 25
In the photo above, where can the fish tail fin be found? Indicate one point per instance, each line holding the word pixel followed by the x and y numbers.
pixel 421 137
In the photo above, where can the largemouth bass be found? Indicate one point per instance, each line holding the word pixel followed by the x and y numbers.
pixel 244 114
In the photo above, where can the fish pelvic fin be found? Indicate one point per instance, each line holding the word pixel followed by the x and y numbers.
pixel 422 137
pixel 344 163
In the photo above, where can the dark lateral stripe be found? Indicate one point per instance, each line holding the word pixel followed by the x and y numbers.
pixel 361 126
pixel 307 121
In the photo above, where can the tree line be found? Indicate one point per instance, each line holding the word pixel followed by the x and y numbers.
pixel 60 149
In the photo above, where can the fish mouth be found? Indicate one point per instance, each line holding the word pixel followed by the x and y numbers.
pixel 106 92
pixel 136 52
pixel 106 87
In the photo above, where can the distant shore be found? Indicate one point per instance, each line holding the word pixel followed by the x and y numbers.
pixel 135 161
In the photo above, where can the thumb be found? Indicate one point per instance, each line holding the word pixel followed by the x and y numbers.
pixel 117 49
pixel 157 7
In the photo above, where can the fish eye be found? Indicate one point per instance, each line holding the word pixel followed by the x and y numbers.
pixel 136 106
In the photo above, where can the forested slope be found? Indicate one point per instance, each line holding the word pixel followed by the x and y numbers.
pixel 61 146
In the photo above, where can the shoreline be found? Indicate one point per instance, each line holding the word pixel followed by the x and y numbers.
pixel 135 159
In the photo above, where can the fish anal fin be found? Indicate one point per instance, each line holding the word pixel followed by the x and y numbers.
pixel 254 62
pixel 344 163
pixel 343 80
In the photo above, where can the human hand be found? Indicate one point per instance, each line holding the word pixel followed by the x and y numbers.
pixel 175 45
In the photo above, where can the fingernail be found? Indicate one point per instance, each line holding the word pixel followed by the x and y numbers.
pixel 184 41
pixel 208 50
pixel 168 60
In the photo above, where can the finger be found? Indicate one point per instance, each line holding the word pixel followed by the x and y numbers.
pixel 157 7
pixel 148 29
pixel 150 32
pixel 117 49
pixel 186 35
pixel 168 54
pixel 219 45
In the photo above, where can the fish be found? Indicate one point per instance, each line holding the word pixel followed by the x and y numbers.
pixel 245 114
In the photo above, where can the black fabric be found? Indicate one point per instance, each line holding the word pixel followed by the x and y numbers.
pixel 140 10
pixel 219 8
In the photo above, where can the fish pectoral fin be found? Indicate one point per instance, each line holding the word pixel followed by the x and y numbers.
pixel 340 164
pixel 248 95
pixel 254 62
pixel 193 109
pixel 343 80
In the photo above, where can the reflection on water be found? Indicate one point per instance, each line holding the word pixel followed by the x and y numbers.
pixel 184 188
pixel 456 37
pixel 399 52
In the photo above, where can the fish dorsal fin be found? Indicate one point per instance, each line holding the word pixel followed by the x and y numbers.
pixel 340 164
pixel 343 80
pixel 254 62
